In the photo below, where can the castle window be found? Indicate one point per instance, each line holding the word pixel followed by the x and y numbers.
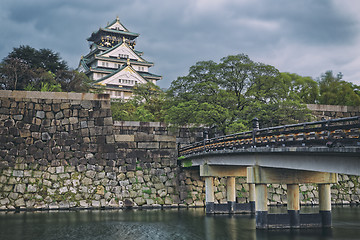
pixel 123 55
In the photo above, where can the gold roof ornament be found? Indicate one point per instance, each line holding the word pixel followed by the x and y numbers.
pixel 128 62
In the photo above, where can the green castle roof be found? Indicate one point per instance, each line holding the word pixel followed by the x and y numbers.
pixel 118 32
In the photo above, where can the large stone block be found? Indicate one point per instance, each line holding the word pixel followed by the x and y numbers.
pixel 168 145
pixel 125 145
pixel 148 145
pixel 165 138
pixel 143 137
pixel 124 138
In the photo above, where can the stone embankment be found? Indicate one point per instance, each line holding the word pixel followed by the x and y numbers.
pixel 62 150
pixel 347 191
pixel 333 111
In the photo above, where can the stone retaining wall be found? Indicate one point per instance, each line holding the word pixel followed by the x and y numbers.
pixel 347 191
pixel 57 150
pixel 333 111
pixel 62 150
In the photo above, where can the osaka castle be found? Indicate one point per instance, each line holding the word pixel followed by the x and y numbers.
pixel 113 63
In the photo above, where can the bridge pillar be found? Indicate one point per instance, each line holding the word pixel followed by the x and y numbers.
pixel 252 197
pixel 231 193
pixel 325 204
pixel 261 176
pixel 209 194
pixel 230 172
pixel 261 206
pixel 293 205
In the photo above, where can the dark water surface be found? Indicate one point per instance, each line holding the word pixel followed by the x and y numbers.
pixel 163 224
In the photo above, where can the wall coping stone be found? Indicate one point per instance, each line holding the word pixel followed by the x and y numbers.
pixel 139 124
pixel 53 95
pixel 332 108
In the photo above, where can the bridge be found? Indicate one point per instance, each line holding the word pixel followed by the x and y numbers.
pixel 311 152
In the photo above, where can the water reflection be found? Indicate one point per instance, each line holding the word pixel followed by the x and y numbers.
pixel 163 224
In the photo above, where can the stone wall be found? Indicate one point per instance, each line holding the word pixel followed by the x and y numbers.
pixel 62 150
pixel 333 111
pixel 347 191
pixel 57 149
pixel 148 163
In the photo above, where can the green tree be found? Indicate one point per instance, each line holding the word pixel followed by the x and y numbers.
pixel 335 91
pixel 199 99
pixel 44 58
pixel 303 88
pixel 145 105
pixel 15 73
pixel 227 95
pixel 73 81
pixel 123 110
pixel 149 99
pixel 42 81
pixel 26 68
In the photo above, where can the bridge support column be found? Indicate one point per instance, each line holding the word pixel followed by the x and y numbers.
pixel 293 205
pixel 325 204
pixel 209 194
pixel 252 197
pixel 261 206
pixel 262 176
pixel 231 193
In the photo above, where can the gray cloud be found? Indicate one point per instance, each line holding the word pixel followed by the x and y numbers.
pixel 307 37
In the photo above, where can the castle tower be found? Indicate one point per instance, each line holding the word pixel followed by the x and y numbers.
pixel 113 63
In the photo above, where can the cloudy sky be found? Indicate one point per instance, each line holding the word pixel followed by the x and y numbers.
pixel 307 37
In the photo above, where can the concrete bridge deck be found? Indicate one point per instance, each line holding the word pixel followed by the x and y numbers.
pixel 345 160
pixel 294 154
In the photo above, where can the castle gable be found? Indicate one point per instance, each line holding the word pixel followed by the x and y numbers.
pixel 122 51
pixel 116 25
pixel 125 76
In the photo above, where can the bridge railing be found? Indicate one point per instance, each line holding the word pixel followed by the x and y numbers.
pixel 328 133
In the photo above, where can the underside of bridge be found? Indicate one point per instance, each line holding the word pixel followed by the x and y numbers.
pixel 344 160
pixel 258 178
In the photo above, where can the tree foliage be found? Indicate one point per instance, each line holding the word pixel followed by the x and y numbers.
pixel 15 73
pixel 26 68
pixel 145 105
pixel 44 58
pixel 226 96
pixel 335 91
pixel 304 89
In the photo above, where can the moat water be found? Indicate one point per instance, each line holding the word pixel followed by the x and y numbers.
pixel 164 224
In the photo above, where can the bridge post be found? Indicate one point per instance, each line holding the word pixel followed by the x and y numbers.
pixel 261 206
pixel 231 193
pixel 209 194
pixel 293 205
pixel 252 197
pixel 325 204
